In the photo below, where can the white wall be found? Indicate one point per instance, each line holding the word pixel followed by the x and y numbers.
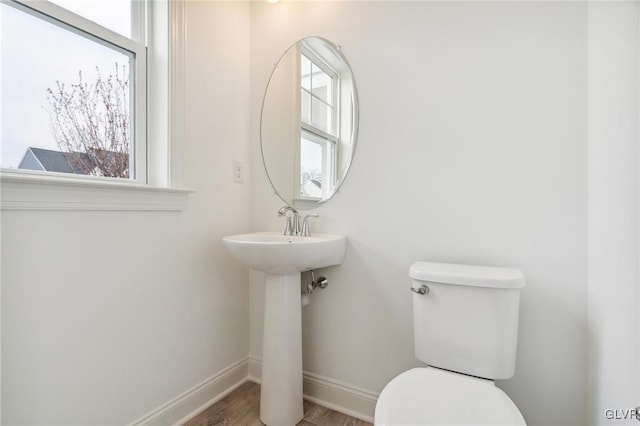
pixel 108 315
pixel 614 333
pixel 472 149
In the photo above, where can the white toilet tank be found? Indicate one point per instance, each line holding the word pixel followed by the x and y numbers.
pixel 467 321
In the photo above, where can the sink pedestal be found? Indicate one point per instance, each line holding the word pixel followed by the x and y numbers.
pixel 283 258
pixel 281 388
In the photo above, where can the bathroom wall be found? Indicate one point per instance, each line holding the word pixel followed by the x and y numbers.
pixel 108 315
pixel 472 149
pixel 614 323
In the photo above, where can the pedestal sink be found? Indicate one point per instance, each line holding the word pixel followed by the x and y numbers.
pixel 283 258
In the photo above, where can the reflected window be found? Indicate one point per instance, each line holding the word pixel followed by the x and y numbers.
pixel 316 165
pixel 319 126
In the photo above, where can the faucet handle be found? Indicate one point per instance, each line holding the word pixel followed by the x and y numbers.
pixel 306 231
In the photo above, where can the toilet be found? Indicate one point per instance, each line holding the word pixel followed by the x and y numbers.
pixel 465 326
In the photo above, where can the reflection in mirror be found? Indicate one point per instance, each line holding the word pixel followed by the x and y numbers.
pixel 309 123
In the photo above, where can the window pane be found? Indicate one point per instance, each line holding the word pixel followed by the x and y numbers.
pixel 322 85
pixel 113 14
pixel 321 116
pixel 66 100
pixel 311 159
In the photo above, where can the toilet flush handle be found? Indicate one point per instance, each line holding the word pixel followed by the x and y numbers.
pixel 423 290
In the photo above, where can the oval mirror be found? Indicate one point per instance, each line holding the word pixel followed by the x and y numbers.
pixel 309 123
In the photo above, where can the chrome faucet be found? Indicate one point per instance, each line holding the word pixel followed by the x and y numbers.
pixel 290 228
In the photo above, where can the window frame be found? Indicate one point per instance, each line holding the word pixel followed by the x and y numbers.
pixel 335 77
pixel 160 174
pixel 83 27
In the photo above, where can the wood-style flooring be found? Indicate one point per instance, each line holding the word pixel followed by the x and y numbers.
pixel 242 407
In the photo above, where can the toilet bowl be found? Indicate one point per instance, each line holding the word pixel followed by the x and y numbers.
pixel 430 396
pixel 465 328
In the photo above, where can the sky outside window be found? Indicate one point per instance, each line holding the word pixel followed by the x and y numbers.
pixel 113 14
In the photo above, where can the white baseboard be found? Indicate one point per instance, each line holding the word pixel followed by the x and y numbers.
pixel 330 393
pixel 197 399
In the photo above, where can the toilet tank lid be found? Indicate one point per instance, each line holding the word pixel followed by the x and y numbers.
pixel 470 275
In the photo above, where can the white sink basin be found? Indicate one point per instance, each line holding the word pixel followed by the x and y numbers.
pixel 283 258
pixel 274 253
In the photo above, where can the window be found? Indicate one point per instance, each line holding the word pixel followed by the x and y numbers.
pixel 319 127
pixel 74 84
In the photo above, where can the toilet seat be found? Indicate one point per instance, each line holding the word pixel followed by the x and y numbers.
pixel 430 396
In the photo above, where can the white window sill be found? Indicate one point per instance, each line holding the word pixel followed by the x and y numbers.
pixel 33 191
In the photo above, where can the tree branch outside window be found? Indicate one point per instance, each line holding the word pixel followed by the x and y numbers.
pixel 91 123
